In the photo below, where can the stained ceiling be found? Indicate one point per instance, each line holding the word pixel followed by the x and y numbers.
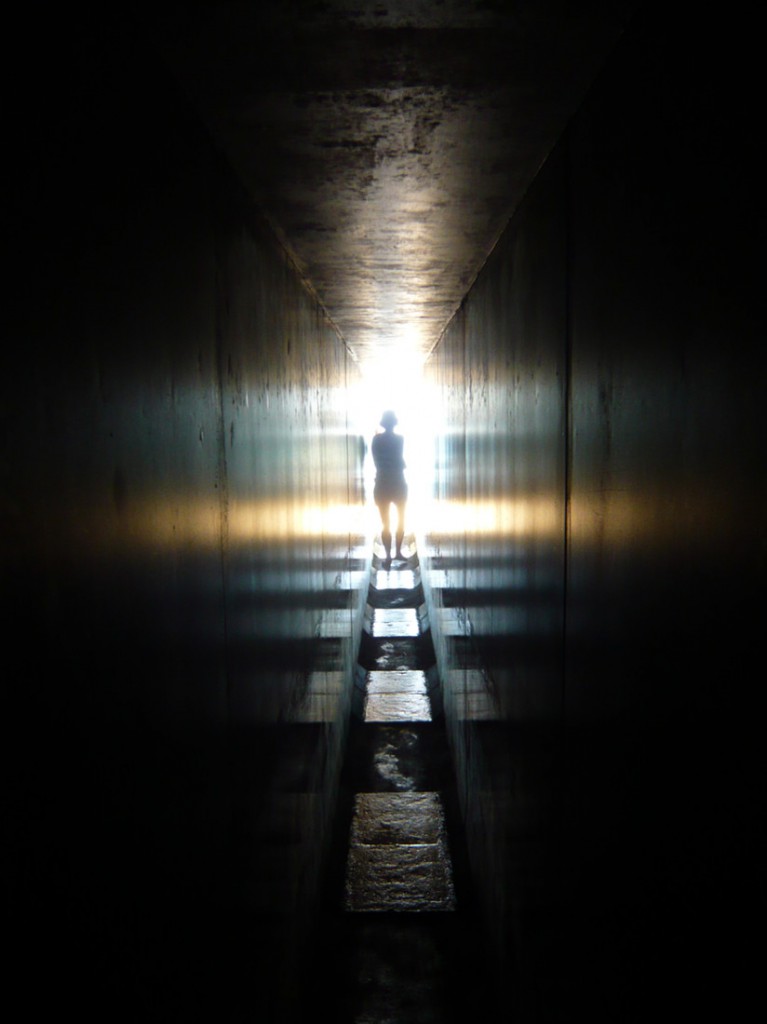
pixel 388 142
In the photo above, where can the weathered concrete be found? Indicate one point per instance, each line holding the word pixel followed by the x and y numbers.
pixel 181 518
pixel 398 938
pixel 604 458
pixel 390 142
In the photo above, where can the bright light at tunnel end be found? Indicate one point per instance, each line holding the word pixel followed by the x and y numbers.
pixel 397 382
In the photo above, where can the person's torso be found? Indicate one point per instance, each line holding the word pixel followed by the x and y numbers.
pixel 387 456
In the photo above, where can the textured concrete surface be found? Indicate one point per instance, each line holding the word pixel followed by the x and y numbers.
pixel 398 938
pixel 400 695
pixel 404 877
pixel 182 513
pixel 389 142
pixel 396 622
pixel 593 600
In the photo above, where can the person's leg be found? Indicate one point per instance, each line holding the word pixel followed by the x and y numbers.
pixel 385 511
pixel 400 527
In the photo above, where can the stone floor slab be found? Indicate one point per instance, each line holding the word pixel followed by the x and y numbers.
pixel 397 707
pixel 397 681
pixel 381 818
pixel 395 579
pixel 395 622
pixel 399 877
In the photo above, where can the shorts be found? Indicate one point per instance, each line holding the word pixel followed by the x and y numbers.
pixel 384 494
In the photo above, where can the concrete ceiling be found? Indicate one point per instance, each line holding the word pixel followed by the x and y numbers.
pixel 387 141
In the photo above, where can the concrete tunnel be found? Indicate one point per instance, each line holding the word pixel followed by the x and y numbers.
pixel 238 232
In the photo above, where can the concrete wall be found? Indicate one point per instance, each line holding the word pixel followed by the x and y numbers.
pixel 593 571
pixel 181 506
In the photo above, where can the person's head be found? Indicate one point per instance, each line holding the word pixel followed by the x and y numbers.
pixel 388 420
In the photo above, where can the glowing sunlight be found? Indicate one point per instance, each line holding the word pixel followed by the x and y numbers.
pixel 399 384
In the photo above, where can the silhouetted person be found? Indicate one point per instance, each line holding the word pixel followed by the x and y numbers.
pixel 390 484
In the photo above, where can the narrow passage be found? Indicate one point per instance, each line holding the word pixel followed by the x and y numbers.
pixel 398 942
